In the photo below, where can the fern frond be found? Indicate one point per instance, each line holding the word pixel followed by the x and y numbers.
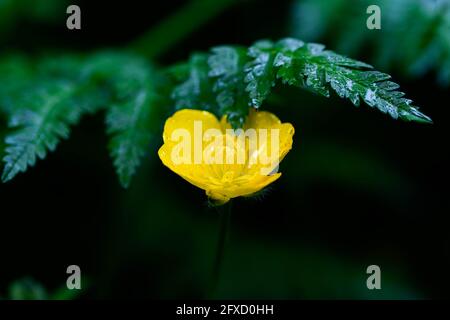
pixel 194 89
pixel 130 119
pixel 54 96
pixel 44 117
pixel 244 78
pixel 41 105
pixel 260 72
pixel 226 67
pixel 213 82
pixel 319 70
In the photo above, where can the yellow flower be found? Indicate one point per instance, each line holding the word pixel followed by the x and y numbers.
pixel 225 163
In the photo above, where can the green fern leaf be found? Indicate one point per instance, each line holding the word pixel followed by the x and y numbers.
pixel 227 66
pixel 242 78
pixel 44 117
pixel 260 73
pixel 312 67
pixel 213 82
pixel 130 119
pixel 195 88
pixel 43 103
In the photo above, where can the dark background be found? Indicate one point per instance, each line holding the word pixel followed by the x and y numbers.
pixel 357 189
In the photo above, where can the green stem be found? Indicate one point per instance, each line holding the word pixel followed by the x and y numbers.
pixel 179 25
pixel 225 214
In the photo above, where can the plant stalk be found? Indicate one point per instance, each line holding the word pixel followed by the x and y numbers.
pixel 179 25
pixel 225 215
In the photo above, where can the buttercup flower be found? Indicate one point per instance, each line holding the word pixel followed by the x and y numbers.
pixel 226 163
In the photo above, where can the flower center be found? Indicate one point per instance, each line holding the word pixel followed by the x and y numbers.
pixel 228 177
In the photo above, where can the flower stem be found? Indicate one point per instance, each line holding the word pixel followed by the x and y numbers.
pixel 225 214
pixel 180 24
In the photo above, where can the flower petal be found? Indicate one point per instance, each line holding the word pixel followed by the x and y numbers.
pixel 261 120
pixel 251 186
pixel 195 174
pixel 185 119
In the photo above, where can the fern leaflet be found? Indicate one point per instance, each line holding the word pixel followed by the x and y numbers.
pixel 43 118
pixel 244 78
pixel 130 119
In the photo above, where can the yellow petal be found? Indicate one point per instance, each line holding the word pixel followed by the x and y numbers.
pixel 251 186
pixel 261 120
pixel 286 139
pixel 264 156
pixel 185 119
pixel 193 173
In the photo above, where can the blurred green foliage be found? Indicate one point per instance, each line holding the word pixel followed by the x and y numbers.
pixel 414 35
pixel 29 289
pixel 13 12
